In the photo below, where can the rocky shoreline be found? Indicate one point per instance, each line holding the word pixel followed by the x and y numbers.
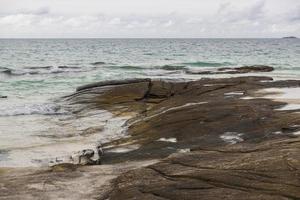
pixel 203 139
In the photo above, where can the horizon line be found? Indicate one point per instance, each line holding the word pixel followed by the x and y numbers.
pixel 284 37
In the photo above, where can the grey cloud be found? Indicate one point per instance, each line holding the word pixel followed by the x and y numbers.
pixel 42 11
pixel 295 15
pixel 228 12
pixel 39 11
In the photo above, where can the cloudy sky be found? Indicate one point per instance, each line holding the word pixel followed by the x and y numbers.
pixel 152 18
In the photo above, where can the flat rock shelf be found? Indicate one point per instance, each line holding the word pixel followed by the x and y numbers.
pixel 203 139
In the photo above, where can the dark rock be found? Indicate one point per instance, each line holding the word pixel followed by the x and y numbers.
pixel 236 70
pixel 173 67
pixel 254 68
pixel 3 97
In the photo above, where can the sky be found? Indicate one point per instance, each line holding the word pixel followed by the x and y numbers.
pixel 150 19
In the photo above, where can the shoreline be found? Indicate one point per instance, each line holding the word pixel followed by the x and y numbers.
pixel 181 126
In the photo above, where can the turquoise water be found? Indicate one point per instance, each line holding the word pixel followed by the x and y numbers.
pixel 35 72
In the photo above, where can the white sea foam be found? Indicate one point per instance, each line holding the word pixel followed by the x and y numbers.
pixel 30 109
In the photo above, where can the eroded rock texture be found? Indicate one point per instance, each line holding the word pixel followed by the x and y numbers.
pixel 211 140
pixel 240 148
pixel 204 113
pixel 265 171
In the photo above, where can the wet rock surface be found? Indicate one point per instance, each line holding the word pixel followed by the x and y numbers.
pixel 212 141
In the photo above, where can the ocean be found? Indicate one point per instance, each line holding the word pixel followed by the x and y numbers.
pixel 35 128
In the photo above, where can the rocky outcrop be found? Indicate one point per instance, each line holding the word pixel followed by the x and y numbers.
pixel 212 141
pixel 196 113
pixel 220 144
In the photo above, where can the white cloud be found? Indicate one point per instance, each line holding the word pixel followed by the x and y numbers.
pixel 194 20
pixel 17 20
pixel 158 18
pixel 115 21
pixel 168 23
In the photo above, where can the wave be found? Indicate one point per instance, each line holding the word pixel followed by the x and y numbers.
pixel 149 54
pixel 5 70
pixel 10 72
pixel 208 64
pixel 33 109
pixel 98 63
pixel 178 54
pixel 67 67
pixel 173 67
pixel 164 67
pixel 44 67
pixel 129 67
pixel 41 70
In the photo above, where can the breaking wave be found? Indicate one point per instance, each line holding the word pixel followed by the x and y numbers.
pixel 174 66
pixel 34 109
pixel 41 70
